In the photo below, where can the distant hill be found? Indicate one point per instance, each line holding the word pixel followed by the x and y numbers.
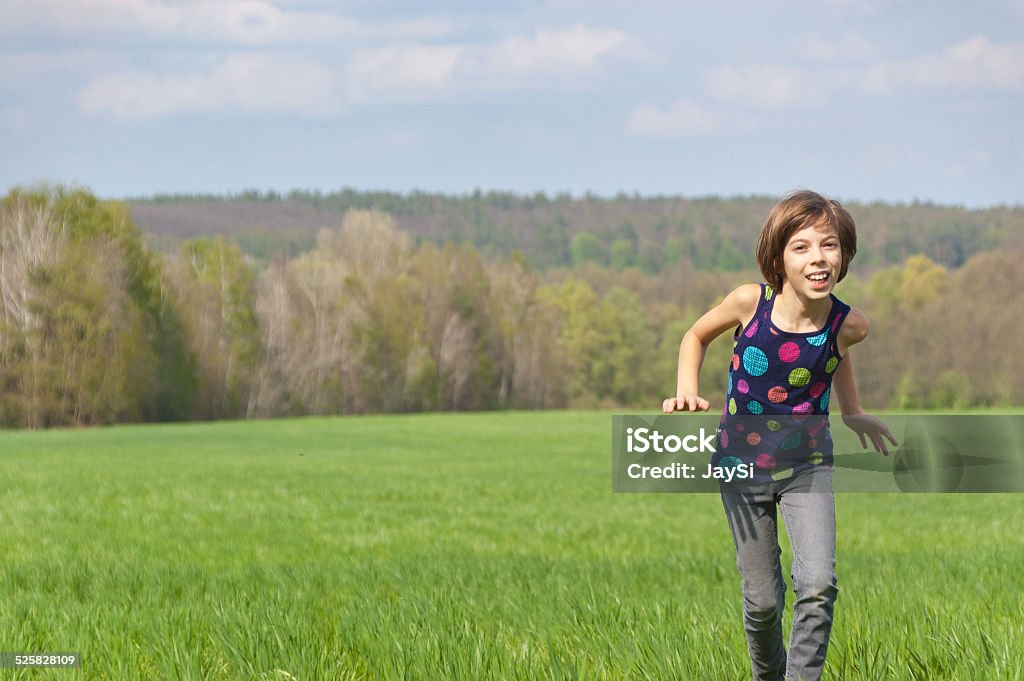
pixel 558 231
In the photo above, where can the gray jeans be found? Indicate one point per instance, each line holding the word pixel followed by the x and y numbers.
pixel 808 510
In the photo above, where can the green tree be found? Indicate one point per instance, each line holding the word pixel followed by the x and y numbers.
pixel 87 335
pixel 586 248
pixel 621 254
pixel 217 299
pixel 594 342
pixel 378 307
pixel 922 282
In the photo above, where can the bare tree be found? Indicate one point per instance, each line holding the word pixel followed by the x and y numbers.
pixel 32 241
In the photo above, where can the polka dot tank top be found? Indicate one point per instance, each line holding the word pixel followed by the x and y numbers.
pixel 776 406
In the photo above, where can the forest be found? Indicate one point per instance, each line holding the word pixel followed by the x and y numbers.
pixel 649 233
pixel 261 305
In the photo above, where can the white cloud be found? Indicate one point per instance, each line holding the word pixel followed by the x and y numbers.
pixel 545 53
pixel 20 71
pixel 249 22
pixel 425 28
pixel 415 72
pixel 260 82
pixel 853 46
pixel 766 86
pixel 858 7
pixel 253 83
pixel 402 72
pixel 974 63
pixel 684 118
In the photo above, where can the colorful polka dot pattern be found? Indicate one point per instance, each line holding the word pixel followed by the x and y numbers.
pixel 792 442
pixel 789 352
pixel 783 474
pixel 782 374
pixel 755 361
pixel 799 377
pixel 818 340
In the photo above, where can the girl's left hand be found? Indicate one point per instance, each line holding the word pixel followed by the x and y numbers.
pixel 871 427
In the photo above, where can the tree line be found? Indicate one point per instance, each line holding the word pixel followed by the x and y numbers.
pixel 651 234
pixel 97 328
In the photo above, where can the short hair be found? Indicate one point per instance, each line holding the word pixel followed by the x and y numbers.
pixel 796 211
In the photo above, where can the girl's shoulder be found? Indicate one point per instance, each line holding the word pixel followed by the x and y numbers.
pixel 745 298
pixel 736 309
pixel 744 301
pixel 854 328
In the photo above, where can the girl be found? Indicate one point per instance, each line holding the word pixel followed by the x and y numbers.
pixel 791 349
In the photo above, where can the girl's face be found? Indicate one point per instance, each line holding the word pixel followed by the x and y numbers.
pixel 812 260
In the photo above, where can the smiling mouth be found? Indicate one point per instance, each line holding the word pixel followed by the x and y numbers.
pixel 818 278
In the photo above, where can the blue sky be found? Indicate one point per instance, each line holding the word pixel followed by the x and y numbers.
pixel 867 99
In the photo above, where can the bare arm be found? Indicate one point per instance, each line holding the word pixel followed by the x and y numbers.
pixel 737 307
pixel 844 388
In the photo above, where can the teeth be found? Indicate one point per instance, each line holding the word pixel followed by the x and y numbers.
pixel 818 277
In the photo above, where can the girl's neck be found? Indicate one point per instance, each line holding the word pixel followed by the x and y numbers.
pixel 797 314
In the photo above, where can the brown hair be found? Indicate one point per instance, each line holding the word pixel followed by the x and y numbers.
pixel 796 211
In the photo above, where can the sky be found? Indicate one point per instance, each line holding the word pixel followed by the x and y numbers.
pixel 863 100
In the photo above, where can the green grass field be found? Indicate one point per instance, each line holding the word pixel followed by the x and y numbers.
pixel 452 547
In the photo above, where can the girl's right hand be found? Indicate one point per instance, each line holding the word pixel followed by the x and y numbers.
pixel 685 403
